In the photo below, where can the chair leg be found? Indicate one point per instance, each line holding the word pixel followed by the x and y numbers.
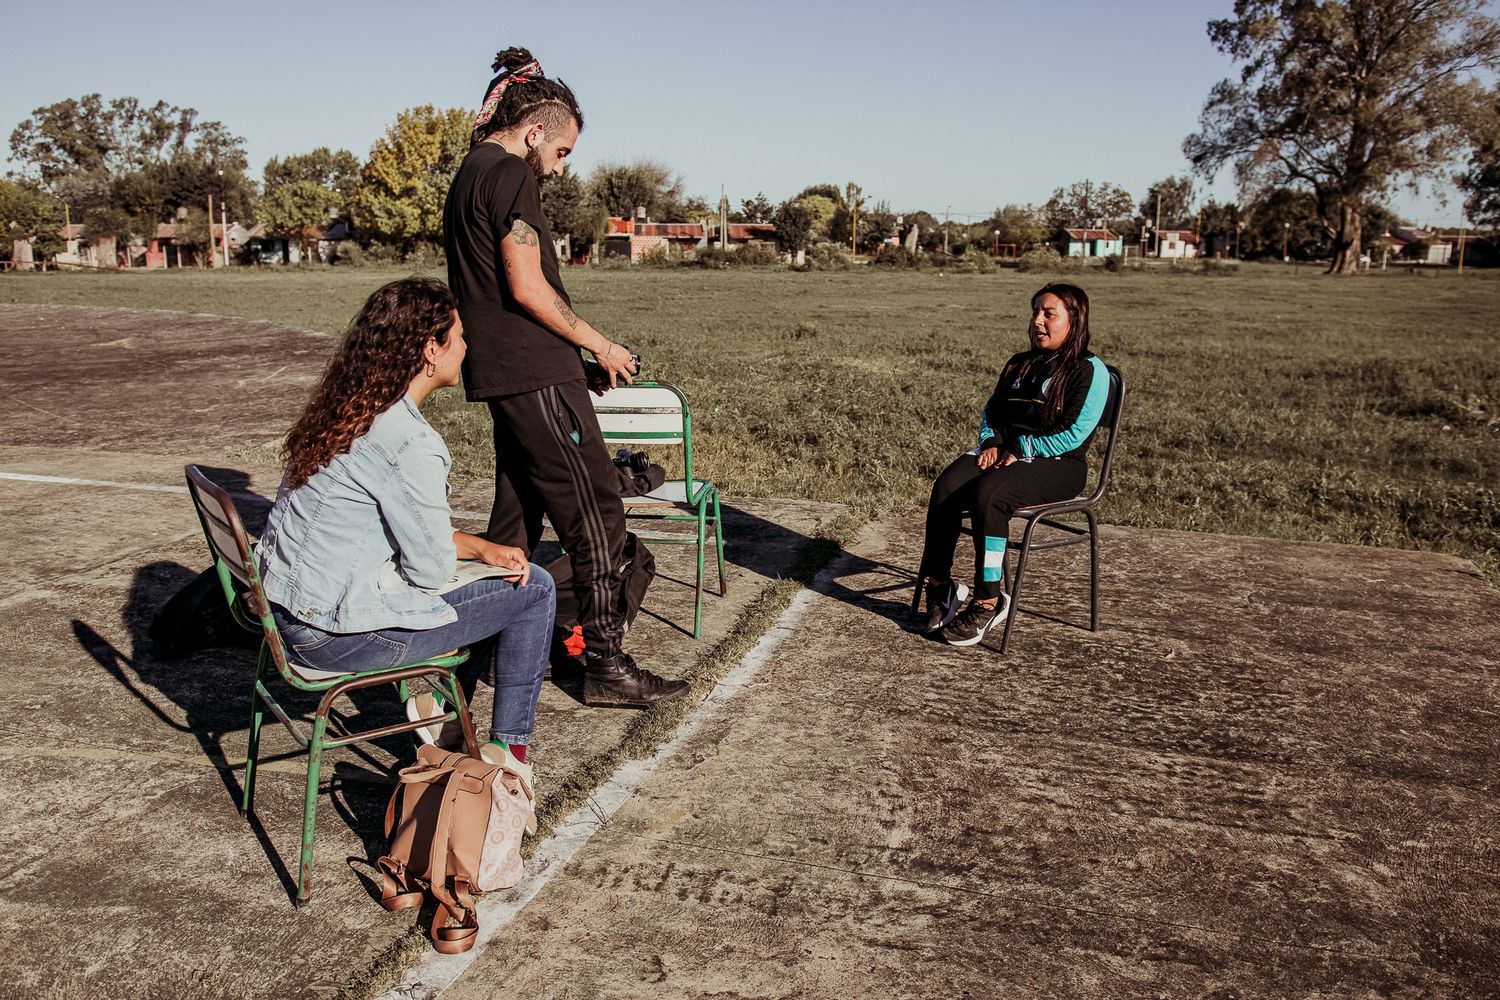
pixel 1093 571
pixel 465 719
pixel 310 805
pixel 1015 588
pixel 252 747
pixel 702 534
pixel 916 595
pixel 719 546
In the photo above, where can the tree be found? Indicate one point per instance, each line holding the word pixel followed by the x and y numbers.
pixel 1283 218
pixel 29 213
pixel 876 225
pixel 121 167
pixel 1481 182
pixel 621 188
pixel 402 187
pixel 1086 203
pixel 1169 203
pixel 1022 225
pixel 569 209
pixel 794 223
pixel 1343 98
pixel 757 209
pixel 306 191
pixel 822 210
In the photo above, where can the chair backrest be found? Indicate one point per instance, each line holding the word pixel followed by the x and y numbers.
pixel 235 561
pixel 1114 408
pixel 647 413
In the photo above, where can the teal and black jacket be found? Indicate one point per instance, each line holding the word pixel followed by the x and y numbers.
pixel 1012 417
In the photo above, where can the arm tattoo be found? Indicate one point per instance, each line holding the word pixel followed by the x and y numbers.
pixel 568 315
pixel 524 234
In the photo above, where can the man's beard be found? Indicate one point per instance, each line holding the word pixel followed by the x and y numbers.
pixel 534 161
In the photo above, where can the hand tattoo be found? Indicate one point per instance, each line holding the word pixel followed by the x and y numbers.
pixel 525 235
pixel 568 315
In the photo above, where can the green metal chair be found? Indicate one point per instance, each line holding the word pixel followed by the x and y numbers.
pixel 656 414
pixel 240 577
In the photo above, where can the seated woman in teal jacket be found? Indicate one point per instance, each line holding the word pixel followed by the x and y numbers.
pixel 359 548
pixel 1034 435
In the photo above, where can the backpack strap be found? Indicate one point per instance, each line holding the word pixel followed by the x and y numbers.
pixel 453 903
pixel 395 891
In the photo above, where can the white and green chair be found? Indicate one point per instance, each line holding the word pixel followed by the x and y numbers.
pixel 653 415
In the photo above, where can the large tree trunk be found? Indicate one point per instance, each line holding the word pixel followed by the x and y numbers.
pixel 1347 238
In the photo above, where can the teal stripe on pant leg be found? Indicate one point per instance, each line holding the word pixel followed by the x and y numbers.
pixel 994 558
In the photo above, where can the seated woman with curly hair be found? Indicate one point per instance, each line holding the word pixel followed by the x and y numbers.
pixel 360 538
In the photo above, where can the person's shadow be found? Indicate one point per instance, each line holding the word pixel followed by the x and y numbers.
pixel 196 684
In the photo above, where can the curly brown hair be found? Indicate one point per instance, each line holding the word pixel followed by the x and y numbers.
pixel 369 372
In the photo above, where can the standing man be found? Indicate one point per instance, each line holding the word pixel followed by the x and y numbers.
pixel 524 363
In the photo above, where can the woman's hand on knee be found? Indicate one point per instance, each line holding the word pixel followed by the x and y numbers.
pixel 988 457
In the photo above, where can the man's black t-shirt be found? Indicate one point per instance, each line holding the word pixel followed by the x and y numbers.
pixel 509 352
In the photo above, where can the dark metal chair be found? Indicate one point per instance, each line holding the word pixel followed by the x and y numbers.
pixel 229 544
pixel 1047 514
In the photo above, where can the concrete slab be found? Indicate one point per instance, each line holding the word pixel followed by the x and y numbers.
pixel 131 873
pixel 1271 773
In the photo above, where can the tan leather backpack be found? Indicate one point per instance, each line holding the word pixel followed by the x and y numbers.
pixel 446 799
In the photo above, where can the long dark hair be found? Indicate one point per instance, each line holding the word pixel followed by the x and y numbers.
pixel 379 356
pixel 1070 358
pixel 534 98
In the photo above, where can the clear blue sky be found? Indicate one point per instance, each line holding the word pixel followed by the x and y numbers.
pixel 963 104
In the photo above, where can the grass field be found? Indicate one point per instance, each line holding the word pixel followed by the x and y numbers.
pixel 1267 402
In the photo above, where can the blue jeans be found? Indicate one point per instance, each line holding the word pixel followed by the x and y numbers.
pixel 519 619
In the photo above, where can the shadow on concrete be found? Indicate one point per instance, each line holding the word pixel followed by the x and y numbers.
pixel 890 598
pixel 195 685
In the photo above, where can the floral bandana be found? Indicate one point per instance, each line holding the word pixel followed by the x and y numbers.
pixel 521 74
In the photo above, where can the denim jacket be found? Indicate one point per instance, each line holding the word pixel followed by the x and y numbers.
pixel 362 544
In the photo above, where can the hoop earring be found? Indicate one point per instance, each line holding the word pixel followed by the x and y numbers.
pixel 431 369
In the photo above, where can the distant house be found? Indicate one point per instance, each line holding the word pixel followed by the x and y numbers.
pixel 1176 244
pixel 632 239
pixel 77 251
pixel 1424 246
pixel 1089 242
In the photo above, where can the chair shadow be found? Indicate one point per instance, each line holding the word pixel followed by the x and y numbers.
pixel 196 684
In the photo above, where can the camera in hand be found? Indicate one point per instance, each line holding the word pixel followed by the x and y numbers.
pixel 597 378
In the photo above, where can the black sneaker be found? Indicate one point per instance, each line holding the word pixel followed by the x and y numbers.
pixel 975 622
pixel 616 682
pixel 943 602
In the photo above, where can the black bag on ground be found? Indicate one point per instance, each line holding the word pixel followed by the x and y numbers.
pixel 197 618
pixel 639 571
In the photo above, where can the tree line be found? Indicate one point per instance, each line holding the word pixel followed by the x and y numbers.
pixel 1336 103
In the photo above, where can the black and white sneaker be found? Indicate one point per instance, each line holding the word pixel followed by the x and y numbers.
pixel 943 602
pixel 974 622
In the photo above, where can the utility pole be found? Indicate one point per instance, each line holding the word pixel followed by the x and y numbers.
pixel 213 254
pixel 224 227
pixel 946 212
pixel 1157 228
pixel 1463 225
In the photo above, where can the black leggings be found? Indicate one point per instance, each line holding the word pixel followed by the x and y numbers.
pixel 991 496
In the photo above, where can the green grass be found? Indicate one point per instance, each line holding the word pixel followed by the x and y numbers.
pixel 1273 403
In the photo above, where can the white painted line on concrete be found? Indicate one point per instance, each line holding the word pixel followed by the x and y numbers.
pixel 22 477
pixel 432 977
pixel 25 477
